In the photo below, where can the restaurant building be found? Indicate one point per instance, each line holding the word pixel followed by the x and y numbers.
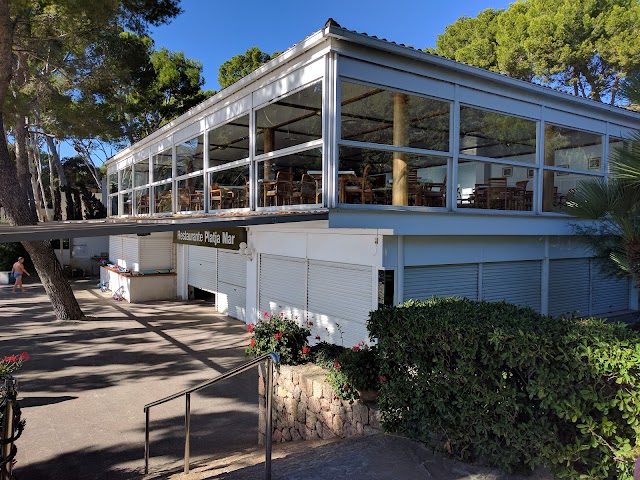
pixel 415 175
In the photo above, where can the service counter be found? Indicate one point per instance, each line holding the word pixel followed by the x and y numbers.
pixel 138 288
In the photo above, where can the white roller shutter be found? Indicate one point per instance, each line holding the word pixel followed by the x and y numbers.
pixel 232 279
pixel 340 297
pixel 608 294
pixel 569 286
pixel 115 249
pixel 421 283
pixel 283 285
pixel 130 257
pixel 514 282
pixel 156 253
pixel 202 268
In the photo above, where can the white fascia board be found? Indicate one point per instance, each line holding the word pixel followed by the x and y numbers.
pixel 317 227
pixel 542 95
pixel 460 224
pixel 232 93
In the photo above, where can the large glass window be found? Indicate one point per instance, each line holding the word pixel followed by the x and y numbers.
pixel 162 165
pixel 189 156
pixel 572 150
pixel 229 188
pixel 142 201
pixel 162 198
pixel 126 204
pixel 495 186
pixel 290 180
pixel 367 176
pixel 229 142
pixel 497 135
pixel 191 193
pixel 125 178
pixel 141 173
pixel 375 115
pixel 113 182
pixel 292 120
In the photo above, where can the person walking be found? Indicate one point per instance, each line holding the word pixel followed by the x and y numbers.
pixel 18 271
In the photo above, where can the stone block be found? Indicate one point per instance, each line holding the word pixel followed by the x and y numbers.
pixel 288 385
pixel 314 404
pixel 327 391
pixel 291 419
pixel 303 397
pixel 285 374
pixel 338 424
pixel 261 387
pixel 360 413
pixel 301 415
pixel 295 435
pixel 337 409
pixel 368 430
pixel 317 388
pixel 336 400
pixel 327 434
pixel 374 418
pixel 325 404
pixel 295 376
pixel 318 428
pixel 282 392
pixel 311 420
pixel 296 392
pixel 359 428
pixel 261 437
pixel 309 434
pixel 327 417
pixel 277 436
pixel 286 435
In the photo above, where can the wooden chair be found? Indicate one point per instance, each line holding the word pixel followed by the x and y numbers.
pixel 480 196
pixel 499 195
pixel 281 189
pixel 435 195
pixel 143 204
pixel 307 192
pixel 358 188
pixel 221 198
pixel 414 195
pixel 522 200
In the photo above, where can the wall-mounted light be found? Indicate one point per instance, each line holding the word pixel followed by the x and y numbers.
pixel 246 251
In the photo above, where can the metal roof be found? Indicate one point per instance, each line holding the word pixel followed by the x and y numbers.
pixel 144 226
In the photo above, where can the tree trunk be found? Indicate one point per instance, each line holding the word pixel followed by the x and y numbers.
pixel 22 159
pixel 64 185
pixel 33 173
pixel 54 191
pixel 14 199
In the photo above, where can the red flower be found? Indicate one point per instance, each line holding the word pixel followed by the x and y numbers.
pixel 356 348
pixel 346 388
pixel 24 356
pixel 336 365
pixel 305 350
pixel 282 314
pixel 250 328
pixel 311 324
pixel 266 314
pixel 383 379
pixel 252 342
pixel 278 335
pixel 11 359
pixel 317 337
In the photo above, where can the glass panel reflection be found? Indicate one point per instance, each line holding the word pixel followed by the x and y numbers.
pixel 162 198
pixel 125 178
pixel 191 194
pixel 229 142
pixel 574 149
pixel 142 201
pixel 141 173
pixel 229 188
pixel 496 135
pixel 113 202
pixel 293 120
pixel 368 115
pixel 291 180
pixel 126 204
pixel 366 176
pixel 113 182
pixel 189 156
pixel 558 187
pixel 162 165
pixel 495 186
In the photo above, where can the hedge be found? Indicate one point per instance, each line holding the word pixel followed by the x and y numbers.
pixel 505 386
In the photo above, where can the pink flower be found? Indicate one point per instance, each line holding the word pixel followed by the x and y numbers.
pixel 266 314
pixel 336 365
pixel 250 328
pixel 356 348
pixel 305 350
pixel 252 342
pixel 282 314
pixel 383 379
pixel 346 388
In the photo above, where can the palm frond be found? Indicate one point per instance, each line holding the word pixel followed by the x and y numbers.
pixel 625 159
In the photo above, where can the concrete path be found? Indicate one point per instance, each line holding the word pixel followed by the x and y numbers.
pixel 84 388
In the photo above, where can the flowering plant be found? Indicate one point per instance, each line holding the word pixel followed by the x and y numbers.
pixel 11 363
pixel 282 335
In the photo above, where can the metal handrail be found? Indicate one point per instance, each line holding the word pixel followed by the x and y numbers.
pixel 271 359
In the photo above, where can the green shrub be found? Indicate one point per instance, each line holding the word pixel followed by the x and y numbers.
pixel 503 385
pixel 282 335
pixel 351 370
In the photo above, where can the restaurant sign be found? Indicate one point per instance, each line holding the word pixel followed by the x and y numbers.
pixel 229 238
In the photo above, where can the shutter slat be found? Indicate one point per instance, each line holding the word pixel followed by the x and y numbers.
pixel 608 294
pixel 202 268
pixel 514 282
pixel 569 285
pixel 421 283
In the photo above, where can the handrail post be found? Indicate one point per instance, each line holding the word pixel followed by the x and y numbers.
pixel 268 420
pixel 7 429
pixel 146 441
pixel 187 431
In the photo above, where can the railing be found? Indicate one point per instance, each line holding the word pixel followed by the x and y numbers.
pixel 270 358
pixel 11 427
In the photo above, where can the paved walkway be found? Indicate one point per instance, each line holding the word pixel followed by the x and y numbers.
pixel 86 383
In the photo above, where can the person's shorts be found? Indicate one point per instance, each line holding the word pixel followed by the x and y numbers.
pixel 16 275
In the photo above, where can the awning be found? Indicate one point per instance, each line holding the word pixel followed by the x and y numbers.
pixel 143 226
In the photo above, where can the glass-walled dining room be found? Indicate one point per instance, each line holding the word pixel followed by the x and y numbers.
pixel 392 148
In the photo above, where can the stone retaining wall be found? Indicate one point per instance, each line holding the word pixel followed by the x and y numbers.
pixel 305 408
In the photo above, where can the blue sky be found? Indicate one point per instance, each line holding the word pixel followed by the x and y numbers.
pixel 212 31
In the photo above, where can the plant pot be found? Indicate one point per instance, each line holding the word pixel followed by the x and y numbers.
pixel 368 396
